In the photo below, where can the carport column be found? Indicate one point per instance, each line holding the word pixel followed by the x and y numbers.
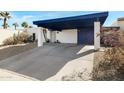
pixel 96 35
pixel 53 36
pixel 40 36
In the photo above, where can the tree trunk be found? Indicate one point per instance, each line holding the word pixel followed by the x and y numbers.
pixel 5 23
pixel 15 27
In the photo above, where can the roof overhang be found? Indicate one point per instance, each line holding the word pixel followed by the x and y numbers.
pixel 75 22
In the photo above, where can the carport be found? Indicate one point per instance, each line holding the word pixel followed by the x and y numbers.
pixel 88 27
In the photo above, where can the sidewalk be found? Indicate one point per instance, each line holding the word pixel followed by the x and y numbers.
pixel 6 75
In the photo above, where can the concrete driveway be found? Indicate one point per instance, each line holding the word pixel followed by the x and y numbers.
pixel 44 62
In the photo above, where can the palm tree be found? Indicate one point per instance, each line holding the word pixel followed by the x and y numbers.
pixel 0 17
pixel 15 25
pixel 30 26
pixel 5 25
pixel 5 16
pixel 24 24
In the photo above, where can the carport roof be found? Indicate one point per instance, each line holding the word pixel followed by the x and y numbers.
pixel 75 22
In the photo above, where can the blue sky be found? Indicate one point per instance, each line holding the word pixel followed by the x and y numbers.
pixel 29 16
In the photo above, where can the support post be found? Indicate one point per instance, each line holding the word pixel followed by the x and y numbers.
pixel 96 35
pixel 40 37
pixel 52 36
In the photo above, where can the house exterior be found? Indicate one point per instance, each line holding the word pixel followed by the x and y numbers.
pixel 110 28
pixel 119 23
pixel 77 29
pixel 7 33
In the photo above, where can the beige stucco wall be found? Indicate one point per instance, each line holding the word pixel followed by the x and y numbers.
pixel 119 23
pixel 96 35
pixel 6 33
pixel 67 36
pixel 35 30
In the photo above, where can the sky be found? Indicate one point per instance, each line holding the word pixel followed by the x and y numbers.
pixel 30 16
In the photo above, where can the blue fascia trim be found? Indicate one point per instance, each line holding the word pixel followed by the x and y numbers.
pixel 89 16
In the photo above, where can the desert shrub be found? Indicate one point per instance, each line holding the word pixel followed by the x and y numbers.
pixel 22 37
pixel 112 65
pixel 8 41
pixel 110 38
pixel 77 76
pixel 17 39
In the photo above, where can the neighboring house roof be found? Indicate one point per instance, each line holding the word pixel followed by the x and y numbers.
pixel 114 28
pixel 121 19
pixel 72 22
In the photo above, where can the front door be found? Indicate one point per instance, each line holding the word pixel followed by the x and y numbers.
pixel 86 36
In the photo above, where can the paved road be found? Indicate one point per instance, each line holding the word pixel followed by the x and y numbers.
pixel 44 62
